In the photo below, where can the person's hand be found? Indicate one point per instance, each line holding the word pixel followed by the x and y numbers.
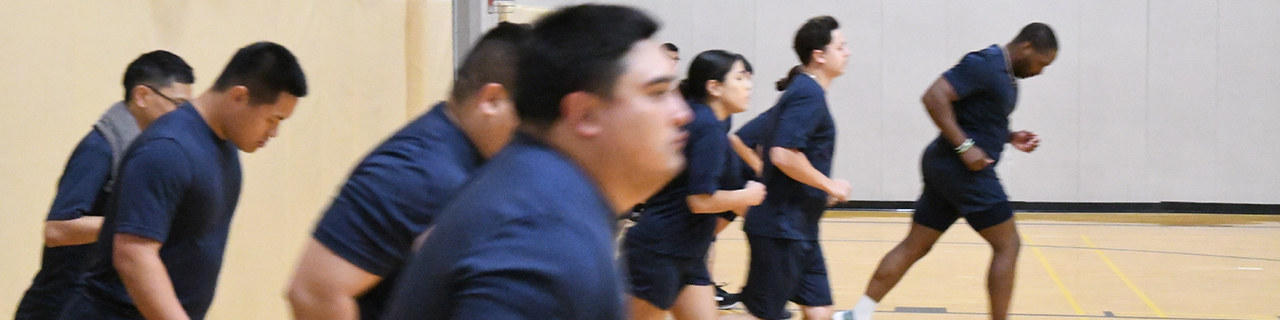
pixel 838 190
pixel 1026 141
pixel 755 193
pixel 975 158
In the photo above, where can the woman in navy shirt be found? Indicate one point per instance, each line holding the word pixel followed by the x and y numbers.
pixel 666 251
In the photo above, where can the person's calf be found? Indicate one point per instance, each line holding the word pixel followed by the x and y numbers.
pixel 817 313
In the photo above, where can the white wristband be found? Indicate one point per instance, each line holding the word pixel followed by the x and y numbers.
pixel 968 143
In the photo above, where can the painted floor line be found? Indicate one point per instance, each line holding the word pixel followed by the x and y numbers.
pixel 1124 278
pixel 1054 276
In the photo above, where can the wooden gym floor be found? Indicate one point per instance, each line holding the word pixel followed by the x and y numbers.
pixel 1072 266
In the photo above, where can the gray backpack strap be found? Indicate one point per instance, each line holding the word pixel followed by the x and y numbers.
pixel 119 127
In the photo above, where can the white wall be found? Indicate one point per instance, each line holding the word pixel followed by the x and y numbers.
pixel 1170 100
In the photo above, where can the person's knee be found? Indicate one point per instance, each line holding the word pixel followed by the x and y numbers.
pixel 1009 245
pixel 645 310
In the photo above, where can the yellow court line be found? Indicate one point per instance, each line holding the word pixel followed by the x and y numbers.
pixel 1054 275
pixel 1115 269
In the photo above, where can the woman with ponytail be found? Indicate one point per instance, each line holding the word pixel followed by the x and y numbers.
pixel 665 251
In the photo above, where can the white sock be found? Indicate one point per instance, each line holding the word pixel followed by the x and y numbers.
pixel 865 307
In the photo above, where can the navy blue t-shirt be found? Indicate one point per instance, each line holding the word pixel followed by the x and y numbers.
pixel 736 171
pixel 529 237
pixel 179 184
pixel 668 226
pixel 81 192
pixel 752 133
pixel 801 121
pixel 393 195
pixel 988 93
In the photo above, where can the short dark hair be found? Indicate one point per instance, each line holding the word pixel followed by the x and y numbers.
pixel 1039 35
pixel 492 60
pixel 709 65
pixel 670 47
pixel 157 69
pixel 266 69
pixel 578 48
pixel 815 34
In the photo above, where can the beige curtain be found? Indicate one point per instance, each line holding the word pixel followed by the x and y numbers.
pixel 371 66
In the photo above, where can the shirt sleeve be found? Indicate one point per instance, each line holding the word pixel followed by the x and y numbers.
pixel 87 172
pixel 390 198
pixel 750 133
pixel 152 182
pixel 705 154
pixel 969 76
pixel 800 116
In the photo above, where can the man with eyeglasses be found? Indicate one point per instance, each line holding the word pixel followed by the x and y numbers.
pixel 154 84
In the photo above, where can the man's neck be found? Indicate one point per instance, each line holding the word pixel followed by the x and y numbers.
pixel 474 133
pixel 1010 53
pixel 607 179
pixel 139 115
pixel 205 106
pixel 819 75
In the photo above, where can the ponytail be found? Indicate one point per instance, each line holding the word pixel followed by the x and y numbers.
pixel 785 82
pixel 687 89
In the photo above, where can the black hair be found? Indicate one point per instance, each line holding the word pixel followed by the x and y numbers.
pixel 709 65
pixel 492 60
pixel 266 69
pixel 815 34
pixel 1039 35
pixel 670 47
pixel 785 82
pixel 579 48
pixel 157 69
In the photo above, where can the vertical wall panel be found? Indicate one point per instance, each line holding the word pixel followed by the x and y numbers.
pixel 1248 85
pixel 1182 99
pixel 1113 93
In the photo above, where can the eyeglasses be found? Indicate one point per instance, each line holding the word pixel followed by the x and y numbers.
pixel 176 103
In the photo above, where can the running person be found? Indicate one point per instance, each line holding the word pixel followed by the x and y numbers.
pixel 166 228
pixel 786 259
pixel 531 235
pixel 970 104
pixel 362 242
pixel 746 158
pixel 666 252
pixel 154 84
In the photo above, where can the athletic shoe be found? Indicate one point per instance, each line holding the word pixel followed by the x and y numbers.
pixel 843 315
pixel 724 299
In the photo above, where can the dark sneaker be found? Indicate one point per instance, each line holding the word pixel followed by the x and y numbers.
pixel 634 215
pixel 724 299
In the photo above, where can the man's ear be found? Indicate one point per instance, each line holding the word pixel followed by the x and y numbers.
pixel 238 94
pixel 1025 49
pixel 138 94
pixel 581 112
pixel 816 56
pixel 491 98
